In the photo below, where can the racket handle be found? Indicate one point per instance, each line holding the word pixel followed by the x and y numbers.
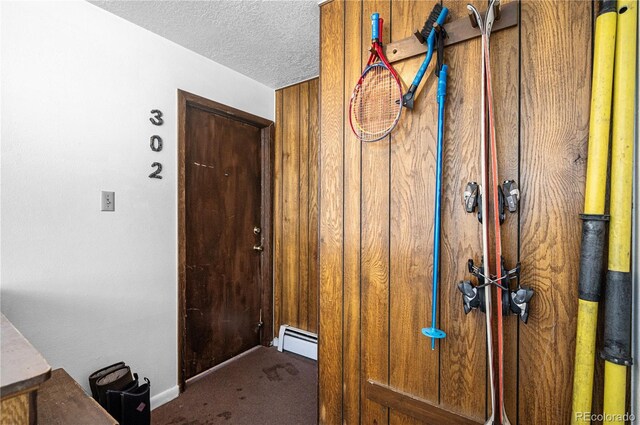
pixel 375 26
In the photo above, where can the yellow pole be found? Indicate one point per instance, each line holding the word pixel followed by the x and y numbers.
pixel 594 218
pixel 600 116
pixel 617 331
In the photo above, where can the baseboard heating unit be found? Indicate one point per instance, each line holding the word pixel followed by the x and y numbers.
pixel 298 341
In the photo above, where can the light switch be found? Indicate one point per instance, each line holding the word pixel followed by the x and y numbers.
pixel 108 201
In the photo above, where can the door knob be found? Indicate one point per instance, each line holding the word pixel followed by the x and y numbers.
pixel 258 248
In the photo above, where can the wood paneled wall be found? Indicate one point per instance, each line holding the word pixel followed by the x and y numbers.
pixel 376 215
pixel 296 207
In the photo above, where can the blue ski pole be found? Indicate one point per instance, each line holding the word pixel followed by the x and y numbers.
pixel 434 332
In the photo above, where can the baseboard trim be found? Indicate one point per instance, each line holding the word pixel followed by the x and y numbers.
pixel 221 365
pixel 164 397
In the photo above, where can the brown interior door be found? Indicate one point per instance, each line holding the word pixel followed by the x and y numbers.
pixel 223 240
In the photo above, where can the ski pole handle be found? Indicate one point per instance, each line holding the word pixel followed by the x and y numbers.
pixel 442 83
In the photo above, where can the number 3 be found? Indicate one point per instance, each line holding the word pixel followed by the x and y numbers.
pixel 157 117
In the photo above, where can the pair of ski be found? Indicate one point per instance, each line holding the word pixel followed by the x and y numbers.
pixel 478 197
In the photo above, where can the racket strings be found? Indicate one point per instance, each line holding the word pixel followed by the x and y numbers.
pixel 376 104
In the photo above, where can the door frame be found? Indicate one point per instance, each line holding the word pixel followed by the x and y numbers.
pixel 267 137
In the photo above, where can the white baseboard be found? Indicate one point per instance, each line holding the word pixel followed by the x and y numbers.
pixel 168 395
pixel 164 397
pixel 221 365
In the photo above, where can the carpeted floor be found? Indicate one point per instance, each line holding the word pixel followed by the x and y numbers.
pixel 264 387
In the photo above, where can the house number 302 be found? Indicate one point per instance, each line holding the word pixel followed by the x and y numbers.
pixel 155 143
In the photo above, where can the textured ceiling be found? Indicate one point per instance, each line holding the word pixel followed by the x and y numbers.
pixel 273 42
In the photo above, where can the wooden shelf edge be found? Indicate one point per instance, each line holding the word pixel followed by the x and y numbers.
pixel 61 400
pixel 23 367
pixel 25 387
pixel 414 406
pixel 458 31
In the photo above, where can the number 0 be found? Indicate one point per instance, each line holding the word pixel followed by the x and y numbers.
pixel 156 147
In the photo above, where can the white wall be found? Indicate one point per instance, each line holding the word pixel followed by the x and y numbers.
pixel 89 288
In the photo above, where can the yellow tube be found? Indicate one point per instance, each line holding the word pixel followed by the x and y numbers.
pixel 614 394
pixel 585 355
pixel 622 139
pixel 600 118
pixel 594 225
pixel 617 331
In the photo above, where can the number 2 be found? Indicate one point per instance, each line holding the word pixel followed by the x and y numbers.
pixel 156 173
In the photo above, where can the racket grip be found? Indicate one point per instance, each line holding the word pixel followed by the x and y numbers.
pixel 375 26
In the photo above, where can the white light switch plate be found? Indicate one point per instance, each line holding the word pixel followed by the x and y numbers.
pixel 108 201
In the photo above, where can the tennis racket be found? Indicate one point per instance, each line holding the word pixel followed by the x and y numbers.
pixel 376 101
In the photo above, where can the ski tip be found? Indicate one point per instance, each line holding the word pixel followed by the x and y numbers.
pixel 433 333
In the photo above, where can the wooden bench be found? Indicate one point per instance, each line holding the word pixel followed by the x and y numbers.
pixel 62 401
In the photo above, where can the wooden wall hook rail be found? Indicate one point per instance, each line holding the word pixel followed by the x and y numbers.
pixel 458 31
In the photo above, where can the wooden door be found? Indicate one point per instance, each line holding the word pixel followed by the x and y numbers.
pixel 223 237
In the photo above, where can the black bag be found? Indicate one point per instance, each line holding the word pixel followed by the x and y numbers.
pixel 132 405
pixel 118 379
pixel 99 374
